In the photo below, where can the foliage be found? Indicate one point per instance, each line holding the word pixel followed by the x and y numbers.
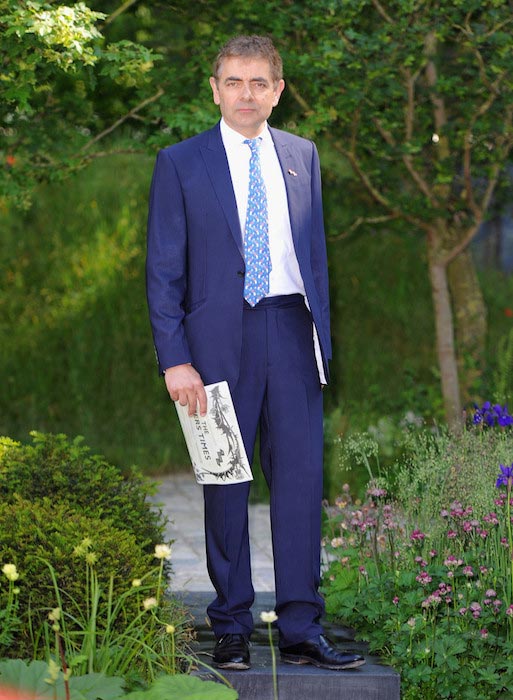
pixel 440 468
pixel 56 64
pixel 430 587
pixel 181 687
pixel 34 678
pixel 55 493
pixel 75 341
pixel 65 470
pixel 33 533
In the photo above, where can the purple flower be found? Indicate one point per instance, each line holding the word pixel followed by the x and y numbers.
pixel 489 415
pixel 505 477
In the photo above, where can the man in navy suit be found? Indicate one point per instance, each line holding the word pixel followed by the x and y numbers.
pixel 272 346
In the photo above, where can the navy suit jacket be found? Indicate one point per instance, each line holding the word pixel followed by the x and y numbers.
pixel 195 256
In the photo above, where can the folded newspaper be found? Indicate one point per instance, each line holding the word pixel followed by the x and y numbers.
pixel 214 441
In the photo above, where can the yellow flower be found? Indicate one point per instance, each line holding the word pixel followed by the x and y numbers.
pixel 10 571
pixel 53 670
pixel 91 558
pixel 136 582
pixel 81 549
pixel 149 603
pixel 162 551
pixel 55 615
pixel 269 616
pixel 170 629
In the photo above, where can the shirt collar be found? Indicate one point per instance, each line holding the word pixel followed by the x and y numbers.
pixel 232 138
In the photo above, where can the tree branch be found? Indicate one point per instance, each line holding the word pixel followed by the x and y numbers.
pixel 360 221
pixel 482 208
pixel 408 162
pixel 299 98
pixel 379 7
pixel 121 8
pixel 123 119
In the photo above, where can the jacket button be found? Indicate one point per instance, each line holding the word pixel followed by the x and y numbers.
pixel 240 273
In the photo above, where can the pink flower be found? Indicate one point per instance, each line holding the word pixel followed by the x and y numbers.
pixel 462 611
pixel 490 593
pixel 475 609
pixel 468 571
pixel 504 542
pixel 395 600
pixel 432 553
pixel 363 571
pixel 491 518
pixel 483 633
pixel 483 534
pixel 467 527
pixel 483 569
pixel 423 578
pixel 417 535
pixel 451 534
pixel 509 611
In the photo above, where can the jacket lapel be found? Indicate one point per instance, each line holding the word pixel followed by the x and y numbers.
pixel 216 164
pixel 294 184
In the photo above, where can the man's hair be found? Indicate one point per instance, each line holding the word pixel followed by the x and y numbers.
pixel 251 46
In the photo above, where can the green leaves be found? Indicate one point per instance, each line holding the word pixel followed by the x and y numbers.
pixel 182 687
pixel 37 679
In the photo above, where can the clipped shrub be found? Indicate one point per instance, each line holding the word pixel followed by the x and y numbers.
pixel 64 470
pixel 55 496
pixel 32 533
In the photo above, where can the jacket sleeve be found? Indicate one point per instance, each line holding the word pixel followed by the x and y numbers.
pixel 166 264
pixel 318 251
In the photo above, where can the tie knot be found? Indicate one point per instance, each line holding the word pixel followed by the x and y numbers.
pixel 254 144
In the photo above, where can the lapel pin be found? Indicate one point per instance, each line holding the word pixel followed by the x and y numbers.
pixel 292 172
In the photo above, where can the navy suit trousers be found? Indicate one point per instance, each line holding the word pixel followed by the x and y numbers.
pixel 279 391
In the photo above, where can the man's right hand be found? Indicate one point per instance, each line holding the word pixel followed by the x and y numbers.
pixel 185 385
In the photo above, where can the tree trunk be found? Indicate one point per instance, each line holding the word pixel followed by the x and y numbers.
pixel 446 352
pixel 470 321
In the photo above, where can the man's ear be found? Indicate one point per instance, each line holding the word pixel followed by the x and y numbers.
pixel 277 92
pixel 215 91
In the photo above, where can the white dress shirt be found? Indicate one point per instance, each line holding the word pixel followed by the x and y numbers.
pixel 285 277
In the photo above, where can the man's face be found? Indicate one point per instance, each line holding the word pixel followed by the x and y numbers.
pixel 246 93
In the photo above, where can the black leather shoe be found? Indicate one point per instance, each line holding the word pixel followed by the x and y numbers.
pixel 232 651
pixel 320 652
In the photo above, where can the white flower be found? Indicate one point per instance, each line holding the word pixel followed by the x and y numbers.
pixel 170 629
pixel 435 138
pixel 149 603
pixel 162 551
pixel 10 571
pixel 269 616
pixel 136 582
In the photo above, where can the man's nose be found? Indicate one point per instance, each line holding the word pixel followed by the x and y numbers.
pixel 246 93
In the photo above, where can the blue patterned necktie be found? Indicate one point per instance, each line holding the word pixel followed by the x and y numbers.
pixel 256 236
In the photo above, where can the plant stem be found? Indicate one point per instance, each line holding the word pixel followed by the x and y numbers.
pixel 273 657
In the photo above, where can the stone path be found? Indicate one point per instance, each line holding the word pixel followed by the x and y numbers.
pixel 181 499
